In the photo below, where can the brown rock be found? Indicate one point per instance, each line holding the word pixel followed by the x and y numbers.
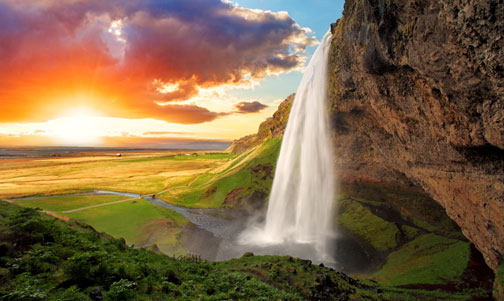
pixel 417 90
pixel 232 197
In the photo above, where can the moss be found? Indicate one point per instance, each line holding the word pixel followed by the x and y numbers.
pixel 359 220
pixel 410 232
pixel 429 259
pixel 499 283
pixel 413 205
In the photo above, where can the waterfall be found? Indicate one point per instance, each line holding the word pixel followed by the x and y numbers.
pixel 301 200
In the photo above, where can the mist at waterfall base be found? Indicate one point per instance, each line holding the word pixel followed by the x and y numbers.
pixel 299 219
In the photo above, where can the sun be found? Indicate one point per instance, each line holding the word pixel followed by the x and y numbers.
pixel 78 126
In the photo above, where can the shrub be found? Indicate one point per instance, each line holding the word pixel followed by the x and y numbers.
pixel 122 290
pixel 86 268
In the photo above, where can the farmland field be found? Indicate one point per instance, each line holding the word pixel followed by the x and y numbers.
pixel 137 173
pixel 64 187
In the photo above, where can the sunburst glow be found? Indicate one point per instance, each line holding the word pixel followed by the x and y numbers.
pixel 78 127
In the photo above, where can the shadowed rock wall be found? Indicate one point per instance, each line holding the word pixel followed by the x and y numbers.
pixel 417 94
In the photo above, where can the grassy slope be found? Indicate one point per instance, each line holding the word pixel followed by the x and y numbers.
pixel 127 220
pixel 137 221
pixel 415 255
pixel 380 234
pixel 63 203
pixel 247 174
pixel 45 258
pixel 428 259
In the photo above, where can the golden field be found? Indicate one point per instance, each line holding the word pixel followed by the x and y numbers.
pixel 142 173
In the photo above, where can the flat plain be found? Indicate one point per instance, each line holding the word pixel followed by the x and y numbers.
pixel 63 187
pixel 138 173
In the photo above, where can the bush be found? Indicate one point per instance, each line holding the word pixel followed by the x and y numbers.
pixel 28 227
pixel 87 268
pixel 27 287
pixel 71 294
pixel 122 290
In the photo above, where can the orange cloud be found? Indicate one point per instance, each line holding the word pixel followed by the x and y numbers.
pixel 120 55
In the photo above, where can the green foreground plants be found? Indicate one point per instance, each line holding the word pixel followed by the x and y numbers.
pixel 43 258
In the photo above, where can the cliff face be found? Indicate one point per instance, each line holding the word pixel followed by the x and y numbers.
pixel 272 127
pixel 417 94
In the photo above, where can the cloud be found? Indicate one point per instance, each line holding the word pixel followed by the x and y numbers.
pixel 164 133
pixel 123 53
pixel 167 143
pixel 187 114
pixel 250 107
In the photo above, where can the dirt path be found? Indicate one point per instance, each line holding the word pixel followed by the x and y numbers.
pixel 171 188
pixel 98 205
pixel 130 199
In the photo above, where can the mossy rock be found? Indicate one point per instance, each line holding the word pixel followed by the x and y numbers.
pixel 5 248
pixel 247 254
pixel 4 275
pixel 429 259
pixel 358 219
pixel 409 232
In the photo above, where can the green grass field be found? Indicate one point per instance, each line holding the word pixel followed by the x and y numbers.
pixel 186 180
pixel 202 180
pixel 63 203
pixel 48 259
pixel 138 222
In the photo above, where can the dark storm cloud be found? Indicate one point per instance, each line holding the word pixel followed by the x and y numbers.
pixel 250 107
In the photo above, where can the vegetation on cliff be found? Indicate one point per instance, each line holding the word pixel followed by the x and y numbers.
pixel 272 127
pixel 420 246
pixel 499 283
pixel 245 181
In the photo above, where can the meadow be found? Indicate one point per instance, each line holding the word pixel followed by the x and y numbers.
pixel 63 188
pixel 138 222
pixel 70 202
pixel 140 173
pixel 424 247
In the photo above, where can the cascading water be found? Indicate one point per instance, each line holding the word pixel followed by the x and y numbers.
pixel 301 200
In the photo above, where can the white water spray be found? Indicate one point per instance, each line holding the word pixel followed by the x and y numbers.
pixel 301 200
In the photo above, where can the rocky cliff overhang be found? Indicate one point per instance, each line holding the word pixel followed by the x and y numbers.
pixel 417 89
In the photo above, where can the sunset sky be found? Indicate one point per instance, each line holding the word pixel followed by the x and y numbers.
pixel 150 72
